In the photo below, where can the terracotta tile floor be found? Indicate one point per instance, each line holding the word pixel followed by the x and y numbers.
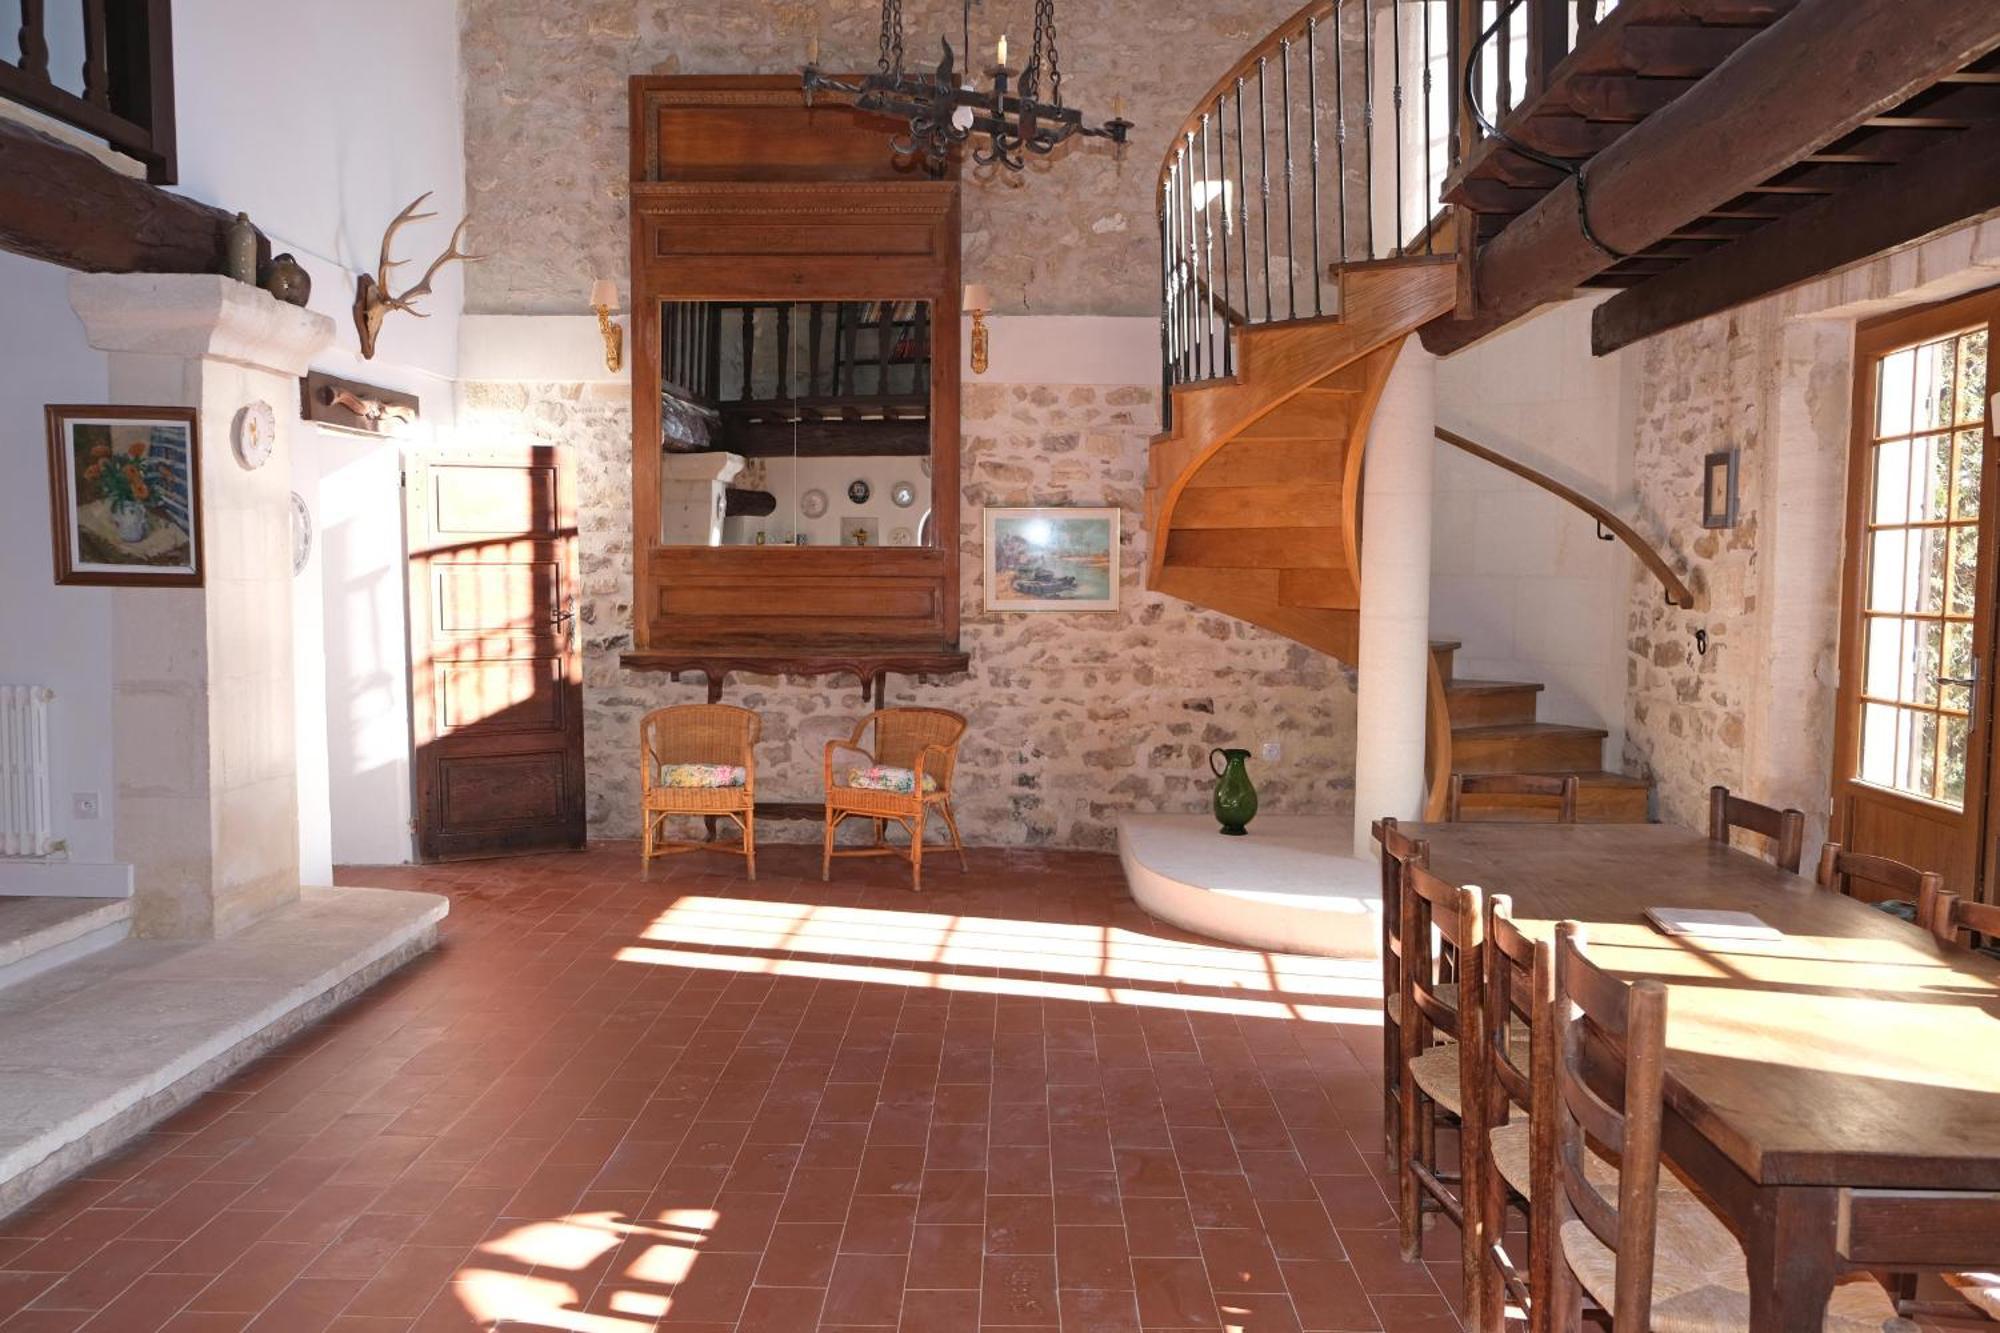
pixel 609 1102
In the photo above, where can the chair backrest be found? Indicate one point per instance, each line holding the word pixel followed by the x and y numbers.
pixel 1558 793
pixel 698 734
pixel 1954 920
pixel 901 734
pixel 1519 985
pixel 1873 879
pixel 1398 848
pixel 1610 1041
pixel 1432 905
pixel 1785 828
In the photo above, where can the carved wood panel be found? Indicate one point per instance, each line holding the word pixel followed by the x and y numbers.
pixel 742 192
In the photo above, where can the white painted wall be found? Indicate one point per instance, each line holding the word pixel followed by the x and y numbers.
pixel 321 122
pixel 1517 574
pixel 60 637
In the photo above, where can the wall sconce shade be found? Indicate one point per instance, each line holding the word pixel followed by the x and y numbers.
pixel 604 299
pixel 977 300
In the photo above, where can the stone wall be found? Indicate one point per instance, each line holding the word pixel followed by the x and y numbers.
pixel 546 154
pixel 1074 717
pixel 1687 713
pixel 1774 380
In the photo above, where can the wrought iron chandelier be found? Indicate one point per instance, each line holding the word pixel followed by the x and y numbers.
pixel 943 113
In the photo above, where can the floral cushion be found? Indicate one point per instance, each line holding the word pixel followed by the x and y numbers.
pixel 882 777
pixel 702 775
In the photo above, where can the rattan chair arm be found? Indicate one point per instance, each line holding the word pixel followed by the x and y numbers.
pixel 826 775
pixel 917 785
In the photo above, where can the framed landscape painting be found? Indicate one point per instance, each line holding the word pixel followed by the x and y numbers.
pixel 124 496
pixel 1052 559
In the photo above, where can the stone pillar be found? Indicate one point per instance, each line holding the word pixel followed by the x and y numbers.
pixel 1393 663
pixel 693 493
pixel 203 742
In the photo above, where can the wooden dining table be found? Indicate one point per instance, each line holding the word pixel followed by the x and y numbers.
pixel 1834 1092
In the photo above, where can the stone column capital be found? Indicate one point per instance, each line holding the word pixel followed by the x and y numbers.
pixel 197 315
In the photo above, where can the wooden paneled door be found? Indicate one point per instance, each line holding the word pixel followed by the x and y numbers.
pixel 496 689
pixel 1911 760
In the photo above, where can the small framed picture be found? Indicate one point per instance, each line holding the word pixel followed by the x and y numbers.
pixel 125 495
pixel 1052 559
pixel 1718 489
pixel 860 532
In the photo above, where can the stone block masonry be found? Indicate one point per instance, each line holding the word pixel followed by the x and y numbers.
pixel 1075 718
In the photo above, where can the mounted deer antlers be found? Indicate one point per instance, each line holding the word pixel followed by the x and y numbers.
pixel 372 299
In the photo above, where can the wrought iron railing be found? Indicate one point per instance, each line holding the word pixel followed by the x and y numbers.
pixel 105 67
pixel 1327 143
pixel 1520 43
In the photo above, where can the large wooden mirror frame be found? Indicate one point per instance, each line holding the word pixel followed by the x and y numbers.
pixel 740 192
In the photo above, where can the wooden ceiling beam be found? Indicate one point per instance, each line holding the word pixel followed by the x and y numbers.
pixel 1810 78
pixel 1957 178
pixel 63 206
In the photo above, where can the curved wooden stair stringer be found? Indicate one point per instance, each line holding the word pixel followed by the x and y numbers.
pixel 1253 499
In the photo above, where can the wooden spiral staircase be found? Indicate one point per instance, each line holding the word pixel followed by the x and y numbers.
pixel 1282 315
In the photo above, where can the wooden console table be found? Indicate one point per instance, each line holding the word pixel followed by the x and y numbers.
pixel 870 667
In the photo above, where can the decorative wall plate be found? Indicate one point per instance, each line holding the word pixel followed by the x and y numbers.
pixel 813 503
pixel 859 490
pixel 903 495
pixel 256 434
pixel 900 536
pixel 302 534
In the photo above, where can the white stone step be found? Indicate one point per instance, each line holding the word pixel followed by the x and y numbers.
pixel 93 1052
pixel 37 934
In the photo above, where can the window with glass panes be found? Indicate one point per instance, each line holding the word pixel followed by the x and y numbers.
pixel 1922 550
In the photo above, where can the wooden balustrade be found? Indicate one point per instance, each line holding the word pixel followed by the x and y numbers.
pixel 126 76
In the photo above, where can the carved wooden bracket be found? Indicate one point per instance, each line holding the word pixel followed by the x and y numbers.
pixel 365 409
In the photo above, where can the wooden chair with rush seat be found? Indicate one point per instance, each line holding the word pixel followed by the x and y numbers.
pixel 699 759
pixel 901 778
pixel 1786 829
pixel 1551 792
pixel 1435 1081
pixel 1398 850
pixel 1650 1256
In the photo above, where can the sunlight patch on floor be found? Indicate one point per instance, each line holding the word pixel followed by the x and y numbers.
pixel 1099 953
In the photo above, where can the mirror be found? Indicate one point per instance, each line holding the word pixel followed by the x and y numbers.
pixel 795 423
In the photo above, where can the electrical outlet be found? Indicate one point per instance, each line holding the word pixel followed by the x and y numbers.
pixel 1273 752
pixel 84 805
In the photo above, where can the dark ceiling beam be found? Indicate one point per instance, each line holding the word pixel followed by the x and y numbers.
pixel 1956 179
pixel 61 205
pixel 1807 80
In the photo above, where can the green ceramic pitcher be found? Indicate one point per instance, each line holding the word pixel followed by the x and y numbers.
pixel 1235 798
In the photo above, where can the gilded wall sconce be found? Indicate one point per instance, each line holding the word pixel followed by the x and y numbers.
pixel 976 302
pixel 604 299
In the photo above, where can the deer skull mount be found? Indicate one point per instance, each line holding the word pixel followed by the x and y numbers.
pixel 372 298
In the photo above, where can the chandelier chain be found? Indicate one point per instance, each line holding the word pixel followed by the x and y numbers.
pixel 890 59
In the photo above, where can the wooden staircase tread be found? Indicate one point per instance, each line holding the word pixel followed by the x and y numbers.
pixel 1511 730
pixel 1606 778
pixel 1468 685
pixel 1445 645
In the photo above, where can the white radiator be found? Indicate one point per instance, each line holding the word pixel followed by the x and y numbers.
pixel 25 828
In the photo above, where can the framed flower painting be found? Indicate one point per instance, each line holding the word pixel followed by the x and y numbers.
pixel 125 495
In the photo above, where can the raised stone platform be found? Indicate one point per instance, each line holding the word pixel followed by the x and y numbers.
pixel 1291 885
pixel 93 1052
pixel 37 934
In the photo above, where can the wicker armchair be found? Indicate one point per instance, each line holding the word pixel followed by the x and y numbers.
pixel 905 776
pixel 689 762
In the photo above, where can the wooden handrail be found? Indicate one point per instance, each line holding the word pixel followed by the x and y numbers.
pixel 1437 743
pixel 1291 29
pixel 1677 591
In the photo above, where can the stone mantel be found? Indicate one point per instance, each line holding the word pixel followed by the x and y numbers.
pixel 196 315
